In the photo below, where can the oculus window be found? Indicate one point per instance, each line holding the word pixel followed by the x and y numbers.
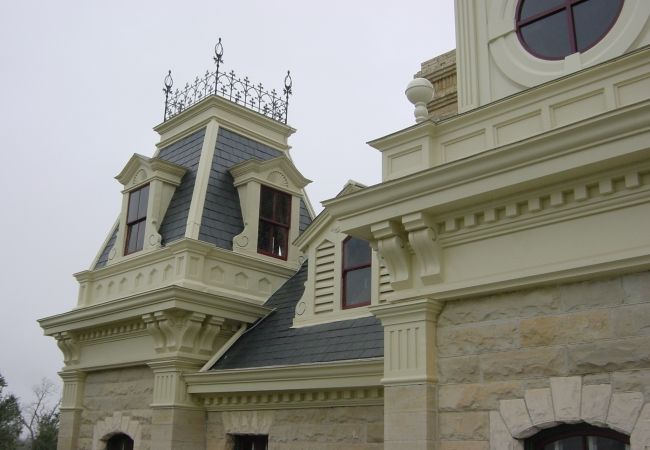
pixel 578 437
pixel 275 217
pixel 250 442
pixel 356 273
pixel 136 219
pixel 554 29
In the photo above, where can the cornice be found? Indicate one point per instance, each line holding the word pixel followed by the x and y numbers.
pixel 229 115
pixel 349 374
pixel 554 155
pixel 168 298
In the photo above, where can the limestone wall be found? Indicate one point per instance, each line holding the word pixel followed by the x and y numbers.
pixel 334 428
pixel 496 348
pixel 117 398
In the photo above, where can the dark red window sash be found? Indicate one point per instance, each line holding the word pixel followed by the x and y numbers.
pixel 133 224
pixel 347 269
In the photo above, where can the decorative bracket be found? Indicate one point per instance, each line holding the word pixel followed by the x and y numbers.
pixel 180 331
pixel 423 238
pixel 69 345
pixel 392 249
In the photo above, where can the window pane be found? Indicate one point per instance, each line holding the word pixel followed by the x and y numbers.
pixel 548 37
pixel 533 7
pixel 572 443
pixel 266 203
pixel 140 240
pixel 356 253
pixel 279 241
pixel 357 287
pixel 282 208
pixel 603 443
pixel 592 20
pixel 142 204
pixel 134 199
pixel 265 238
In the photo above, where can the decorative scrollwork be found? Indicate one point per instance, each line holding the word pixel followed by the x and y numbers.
pixel 231 87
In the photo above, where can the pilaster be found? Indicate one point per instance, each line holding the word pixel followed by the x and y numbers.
pixel 410 376
pixel 177 421
pixel 71 408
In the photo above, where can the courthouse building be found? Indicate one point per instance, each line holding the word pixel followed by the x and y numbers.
pixel 491 293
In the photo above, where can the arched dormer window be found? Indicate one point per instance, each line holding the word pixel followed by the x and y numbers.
pixel 119 441
pixel 356 273
pixel 578 437
pixel 275 222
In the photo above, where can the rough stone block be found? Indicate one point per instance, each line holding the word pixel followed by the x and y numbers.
pixel 591 294
pixel 464 369
pixel 467 397
pixel 515 415
pixel 416 397
pixel 476 339
pixel 633 320
pixel 470 426
pixel 609 355
pixel 640 438
pixel 530 363
pixel 636 287
pixel 567 395
pixel 572 328
pixel 595 402
pixel 540 407
pixel 632 381
pixel 624 410
pixel 500 437
pixel 502 306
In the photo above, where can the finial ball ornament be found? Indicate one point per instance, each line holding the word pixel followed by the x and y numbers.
pixel 420 92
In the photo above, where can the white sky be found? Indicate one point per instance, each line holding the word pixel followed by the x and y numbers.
pixel 81 89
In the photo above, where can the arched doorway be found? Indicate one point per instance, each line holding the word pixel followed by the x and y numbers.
pixel 119 441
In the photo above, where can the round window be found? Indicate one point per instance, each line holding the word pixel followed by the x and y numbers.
pixel 553 29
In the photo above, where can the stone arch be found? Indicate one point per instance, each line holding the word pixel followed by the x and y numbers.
pixel 567 400
pixel 112 425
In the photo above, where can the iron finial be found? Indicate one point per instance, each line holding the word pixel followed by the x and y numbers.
pixel 218 53
pixel 169 82
pixel 288 82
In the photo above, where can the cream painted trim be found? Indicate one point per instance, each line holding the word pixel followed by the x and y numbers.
pixel 472 180
pixel 235 117
pixel 329 317
pixel 195 214
pixel 316 376
pixel 104 244
pixel 172 297
pixel 224 348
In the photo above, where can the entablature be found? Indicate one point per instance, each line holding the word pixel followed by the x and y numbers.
pixel 567 204
pixel 560 103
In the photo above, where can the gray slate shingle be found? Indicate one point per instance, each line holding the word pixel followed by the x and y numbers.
pixel 272 341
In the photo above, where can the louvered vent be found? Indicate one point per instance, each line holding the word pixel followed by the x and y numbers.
pixel 324 289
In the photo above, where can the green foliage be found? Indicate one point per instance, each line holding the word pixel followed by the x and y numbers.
pixel 10 422
pixel 47 431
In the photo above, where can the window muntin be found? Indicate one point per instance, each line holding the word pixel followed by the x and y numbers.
pixel 136 219
pixel 578 437
pixel 250 442
pixel 554 29
pixel 274 224
pixel 356 273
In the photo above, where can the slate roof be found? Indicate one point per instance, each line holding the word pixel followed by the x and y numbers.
pixel 222 219
pixel 272 341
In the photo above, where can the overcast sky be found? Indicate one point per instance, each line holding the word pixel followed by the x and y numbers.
pixel 81 89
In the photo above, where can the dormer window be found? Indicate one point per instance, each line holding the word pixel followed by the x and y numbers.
pixel 136 220
pixel 274 224
pixel 356 273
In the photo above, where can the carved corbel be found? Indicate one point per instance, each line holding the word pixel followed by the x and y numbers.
pixel 189 328
pixel 69 345
pixel 392 248
pixel 211 329
pixel 152 327
pixel 423 238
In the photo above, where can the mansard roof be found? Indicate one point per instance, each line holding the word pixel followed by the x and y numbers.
pixel 273 341
pixel 221 218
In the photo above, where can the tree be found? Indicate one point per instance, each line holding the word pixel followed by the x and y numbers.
pixel 40 418
pixel 10 423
